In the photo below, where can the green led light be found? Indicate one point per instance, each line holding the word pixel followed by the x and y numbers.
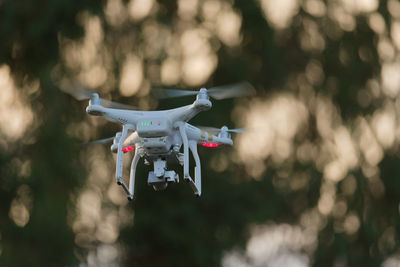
pixel 146 123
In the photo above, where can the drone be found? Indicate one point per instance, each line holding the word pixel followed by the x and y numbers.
pixel 158 136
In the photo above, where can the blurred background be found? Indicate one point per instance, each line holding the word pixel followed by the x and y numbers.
pixel 314 182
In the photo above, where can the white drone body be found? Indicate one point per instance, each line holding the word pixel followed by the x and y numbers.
pixel 158 136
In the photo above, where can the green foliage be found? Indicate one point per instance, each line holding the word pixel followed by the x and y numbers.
pixel 172 228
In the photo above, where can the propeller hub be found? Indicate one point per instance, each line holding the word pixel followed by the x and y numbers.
pixel 224 132
pixel 95 107
pixel 203 94
pixel 95 99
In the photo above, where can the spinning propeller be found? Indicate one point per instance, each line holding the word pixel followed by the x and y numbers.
pixel 101 141
pixel 218 92
pixel 80 94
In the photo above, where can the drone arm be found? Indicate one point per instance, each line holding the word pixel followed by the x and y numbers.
pixel 188 112
pixel 135 161
pixel 197 169
pixel 120 116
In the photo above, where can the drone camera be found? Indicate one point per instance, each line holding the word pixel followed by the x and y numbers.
pixel 161 183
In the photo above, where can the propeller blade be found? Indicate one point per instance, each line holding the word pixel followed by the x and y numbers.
pixel 231 91
pixel 117 105
pixel 77 92
pixel 80 93
pixel 218 92
pixel 101 141
pixel 161 93
pixel 240 130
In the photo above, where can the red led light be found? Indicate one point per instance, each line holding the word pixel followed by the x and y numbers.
pixel 128 148
pixel 210 144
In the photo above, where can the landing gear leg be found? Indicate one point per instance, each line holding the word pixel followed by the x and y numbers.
pixel 135 161
pixel 197 169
